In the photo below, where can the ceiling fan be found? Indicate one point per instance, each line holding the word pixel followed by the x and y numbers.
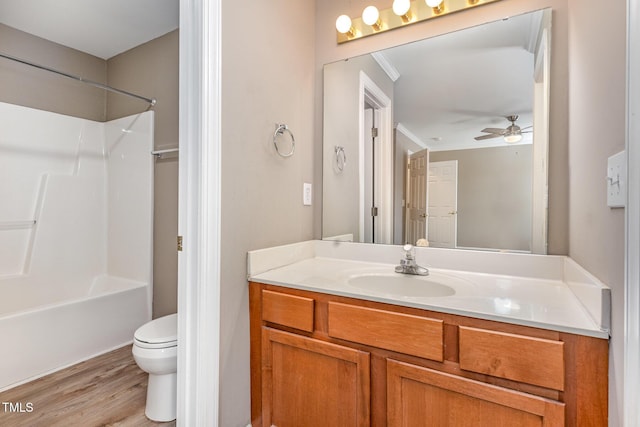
pixel 512 134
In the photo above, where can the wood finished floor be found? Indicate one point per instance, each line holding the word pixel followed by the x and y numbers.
pixel 109 390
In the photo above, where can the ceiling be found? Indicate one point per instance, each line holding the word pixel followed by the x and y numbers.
pixel 103 28
pixel 452 86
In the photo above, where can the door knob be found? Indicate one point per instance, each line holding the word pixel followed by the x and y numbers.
pixel 453 212
pixel 423 215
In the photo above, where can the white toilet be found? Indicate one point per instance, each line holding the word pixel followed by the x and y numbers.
pixel 155 350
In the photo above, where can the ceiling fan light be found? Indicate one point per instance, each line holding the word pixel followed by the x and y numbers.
pixel 512 138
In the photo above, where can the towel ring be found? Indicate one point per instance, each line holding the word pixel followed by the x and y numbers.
pixel 341 157
pixel 280 130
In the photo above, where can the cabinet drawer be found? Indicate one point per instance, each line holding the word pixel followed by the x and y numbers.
pixel 404 333
pixel 288 310
pixel 516 357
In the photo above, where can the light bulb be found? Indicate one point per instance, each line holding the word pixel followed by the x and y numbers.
pixel 370 16
pixel 343 24
pixel 401 7
pixel 436 5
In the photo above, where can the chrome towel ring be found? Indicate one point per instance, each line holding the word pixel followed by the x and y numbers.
pixel 280 130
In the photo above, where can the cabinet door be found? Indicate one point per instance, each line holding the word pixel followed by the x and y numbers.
pixel 419 396
pixel 306 382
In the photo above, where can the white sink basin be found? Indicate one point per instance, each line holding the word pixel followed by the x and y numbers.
pixel 402 285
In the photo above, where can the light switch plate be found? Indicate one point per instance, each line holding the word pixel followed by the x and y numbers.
pixel 617 180
pixel 306 194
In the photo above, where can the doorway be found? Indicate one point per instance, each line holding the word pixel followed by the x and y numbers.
pixel 375 164
pixel 372 153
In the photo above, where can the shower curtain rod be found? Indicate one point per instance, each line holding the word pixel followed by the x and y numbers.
pixel 151 101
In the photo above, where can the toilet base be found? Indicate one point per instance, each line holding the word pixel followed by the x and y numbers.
pixel 161 397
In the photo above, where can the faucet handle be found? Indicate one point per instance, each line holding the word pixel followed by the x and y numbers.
pixel 408 251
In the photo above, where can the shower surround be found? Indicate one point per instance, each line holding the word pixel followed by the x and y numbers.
pixel 76 224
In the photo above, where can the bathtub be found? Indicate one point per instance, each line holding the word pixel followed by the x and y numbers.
pixel 44 332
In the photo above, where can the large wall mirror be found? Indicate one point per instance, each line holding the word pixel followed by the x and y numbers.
pixel 442 141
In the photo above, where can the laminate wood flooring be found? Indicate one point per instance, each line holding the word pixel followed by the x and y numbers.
pixel 108 390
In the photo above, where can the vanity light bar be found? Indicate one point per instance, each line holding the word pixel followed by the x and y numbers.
pixel 388 20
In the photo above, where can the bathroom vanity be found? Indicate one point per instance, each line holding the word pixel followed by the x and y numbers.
pixel 325 350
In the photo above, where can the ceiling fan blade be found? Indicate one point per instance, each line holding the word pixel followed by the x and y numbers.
pixel 497 131
pixel 526 127
pixel 527 131
pixel 489 136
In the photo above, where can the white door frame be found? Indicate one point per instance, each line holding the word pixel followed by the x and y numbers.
pixel 540 192
pixel 372 94
pixel 199 214
pixel 632 223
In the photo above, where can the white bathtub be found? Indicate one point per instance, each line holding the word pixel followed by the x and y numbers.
pixel 40 336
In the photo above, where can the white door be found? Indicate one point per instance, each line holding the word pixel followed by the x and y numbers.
pixel 417 197
pixel 443 204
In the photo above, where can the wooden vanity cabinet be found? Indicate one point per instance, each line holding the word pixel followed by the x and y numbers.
pixel 325 360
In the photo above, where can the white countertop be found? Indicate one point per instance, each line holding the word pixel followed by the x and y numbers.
pixel 545 301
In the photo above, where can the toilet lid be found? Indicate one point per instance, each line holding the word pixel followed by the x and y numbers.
pixel 161 330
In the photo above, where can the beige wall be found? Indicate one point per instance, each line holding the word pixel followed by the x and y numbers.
pixel 267 78
pixel 31 87
pixel 596 131
pixel 151 70
pixel 494 196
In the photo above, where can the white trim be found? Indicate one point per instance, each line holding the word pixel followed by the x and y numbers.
pixel 540 148
pixel 370 92
pixel 410 135
pixel 386 66
pixel 199 214
pixel 534 30
pixel 632 223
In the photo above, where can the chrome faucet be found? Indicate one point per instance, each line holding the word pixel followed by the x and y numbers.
pixel 408 263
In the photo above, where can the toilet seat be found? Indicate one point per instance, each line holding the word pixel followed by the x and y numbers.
pixel 158 333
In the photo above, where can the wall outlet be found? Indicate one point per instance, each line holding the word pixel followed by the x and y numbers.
pixel 306 194
pixel 617 180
